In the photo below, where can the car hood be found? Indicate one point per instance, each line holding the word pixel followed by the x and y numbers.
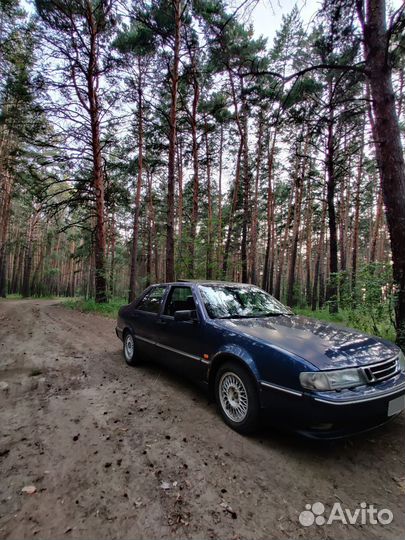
pixel 325 345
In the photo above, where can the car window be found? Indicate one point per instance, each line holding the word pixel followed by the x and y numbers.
pixel 180 298
pixel 152 300
pixel 226 302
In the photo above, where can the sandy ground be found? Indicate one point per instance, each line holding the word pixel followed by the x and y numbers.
pixel 120 452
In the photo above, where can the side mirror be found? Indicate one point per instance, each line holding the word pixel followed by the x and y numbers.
pixel 185 315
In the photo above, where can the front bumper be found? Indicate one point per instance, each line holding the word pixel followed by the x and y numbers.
pixel 334 414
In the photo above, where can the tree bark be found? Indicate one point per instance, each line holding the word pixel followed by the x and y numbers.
pixel 219 235
pixel 196 179
pixel 254 228
pixel 137 209
pixel 332 292
pixel 267 282
pixel 209 212
pixel 98 172
pixel 388 141
pixel 171 176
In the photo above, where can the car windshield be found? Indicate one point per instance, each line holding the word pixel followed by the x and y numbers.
pixel 237 302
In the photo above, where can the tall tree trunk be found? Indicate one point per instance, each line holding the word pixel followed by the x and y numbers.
pixel 171 176
pixel 137 209
pixel 112 261
pixel 317 294
pixel 299 181
pixel 246 194
pixel 196 178
pixel 283 248
pixel 180 191
pixel 219 228
pixel 5 210
pixel 332 293
pixel 151 214
pixel 233 210
pixel 254 231
pixel 209 210
pixel 26 282
pixel 376 227
pixel 388 141
pixel 98 172
pixel 241 152
pixel 308 245
pixel 267 282
pixel 356 225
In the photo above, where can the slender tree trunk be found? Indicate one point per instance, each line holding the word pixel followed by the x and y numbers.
pixel 112 262
pixel 308 245
pixel 98 172
pixel 171 176
pixel 356 224
pixel 376 227
pixel 196 179
pixel 299 181
pixel 209 210
pixel 233 210
pixel 5 210
pixel 317 294
pixel 219 235
pixel 180 190
pixel 152 218
pixel 241 152
pixel 254 231
pixel 137 209
pixel 283 248
pixel 246 195
pixel 26 282
pixel 333 243
pixel 268 260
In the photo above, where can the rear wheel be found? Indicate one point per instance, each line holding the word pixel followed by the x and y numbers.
pixel 129 349
pixel 237 397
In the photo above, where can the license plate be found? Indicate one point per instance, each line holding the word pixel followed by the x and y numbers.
pixel 396 405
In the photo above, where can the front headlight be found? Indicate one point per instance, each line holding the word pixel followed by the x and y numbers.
pixel 401 360
pixel 332 380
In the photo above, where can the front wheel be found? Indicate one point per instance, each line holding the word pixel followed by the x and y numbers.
pixel 130 355
pixel 237 397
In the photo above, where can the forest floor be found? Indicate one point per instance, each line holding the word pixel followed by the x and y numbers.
pixel 120 452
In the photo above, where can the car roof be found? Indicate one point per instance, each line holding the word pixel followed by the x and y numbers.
pixel 206 282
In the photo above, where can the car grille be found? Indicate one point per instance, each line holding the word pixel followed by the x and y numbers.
pixel 380 372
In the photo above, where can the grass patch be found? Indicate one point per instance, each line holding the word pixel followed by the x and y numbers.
pixel 110 309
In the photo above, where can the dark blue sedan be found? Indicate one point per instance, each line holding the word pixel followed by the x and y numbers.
pixel 259 359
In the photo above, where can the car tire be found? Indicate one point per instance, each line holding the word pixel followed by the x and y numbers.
pixel 129 349
pixel 237 397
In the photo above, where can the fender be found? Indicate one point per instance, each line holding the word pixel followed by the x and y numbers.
pixel 239 353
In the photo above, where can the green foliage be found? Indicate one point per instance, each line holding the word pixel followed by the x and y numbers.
pixel 366 304
pixel 357 319
pixel 90 306
pixel 370 302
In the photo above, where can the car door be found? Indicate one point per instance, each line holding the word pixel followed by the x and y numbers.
pixel 181 342
pixel 145 318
